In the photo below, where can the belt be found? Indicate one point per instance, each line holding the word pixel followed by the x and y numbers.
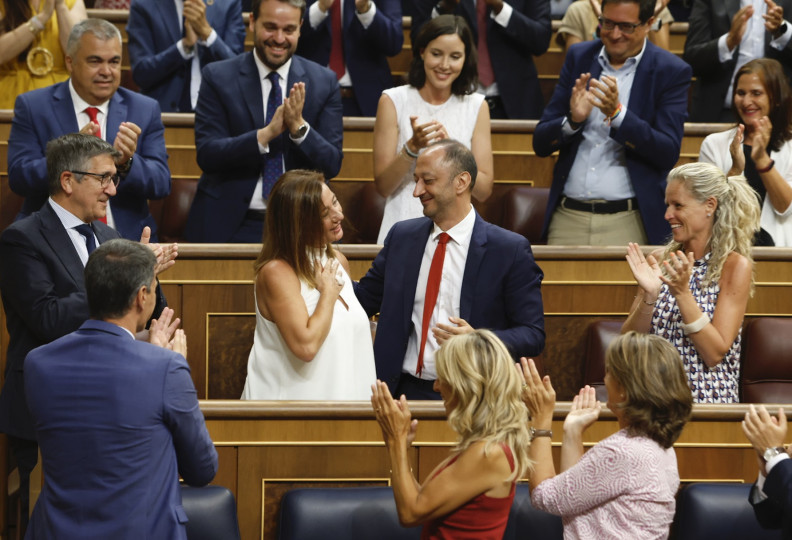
pixel 347 92
pixel 255 215
pixel 425 384
pixel 605 207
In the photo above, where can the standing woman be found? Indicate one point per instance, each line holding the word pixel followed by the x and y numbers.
pixel 33 37
pixel 313 340
pixel 470 493
pixel 694 291
pixel 760 147
pixel 439 103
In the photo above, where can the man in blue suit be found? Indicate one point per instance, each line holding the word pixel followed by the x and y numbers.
pixel 489 278
pixel 771 495
pixel 130 122
pixel 41 272
pixel 117 419
pixel 371 30
pixel 617 117
pixel 248 131
pixel 515 32
pixel 169 43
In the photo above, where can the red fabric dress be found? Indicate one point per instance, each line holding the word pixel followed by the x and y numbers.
pixel 481 518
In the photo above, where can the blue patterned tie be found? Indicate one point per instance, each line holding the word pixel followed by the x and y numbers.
pixel 87 231
pixel 273 161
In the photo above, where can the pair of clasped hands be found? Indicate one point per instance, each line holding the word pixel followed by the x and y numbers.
pixel 773 17
pixel 164 332
pixel 125 141
pixel 650 275
pixel 196 27
pixel 758 136
pixel 588 93
pixel 288 115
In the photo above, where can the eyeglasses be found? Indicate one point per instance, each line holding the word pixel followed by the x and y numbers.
pixel 624 27
pixel 104 179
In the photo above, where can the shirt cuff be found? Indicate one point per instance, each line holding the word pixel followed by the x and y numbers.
pixel 503 17
pixel 566 129
pixel 724 54
pixel 185 54
pixel 210 40
pixel 299 141
pixel 316 16
pixel 781 41
pixel 758 495
pixel 776 460
pixel 263 148
pixel 368 17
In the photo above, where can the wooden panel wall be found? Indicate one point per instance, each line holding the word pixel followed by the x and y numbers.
pixel 267 448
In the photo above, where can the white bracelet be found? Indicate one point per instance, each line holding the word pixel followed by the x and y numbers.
pixel 696 326
pixel 35 21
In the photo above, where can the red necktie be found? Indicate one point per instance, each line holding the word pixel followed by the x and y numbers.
pixel 336 40
pixel 92 114
pixel 484 65
pixel 430 299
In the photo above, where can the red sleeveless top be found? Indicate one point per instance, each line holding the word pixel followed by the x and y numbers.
pixel 481 518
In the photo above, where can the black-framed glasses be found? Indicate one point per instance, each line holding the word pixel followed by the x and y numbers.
pixel 104 179
pixel 624 27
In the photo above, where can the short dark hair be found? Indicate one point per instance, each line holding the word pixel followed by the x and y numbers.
pixel 72 152
pixel 443 25
pixel 114 274
pixel 645 7
pixel 458 158
pixel 775 83
pixel 255 6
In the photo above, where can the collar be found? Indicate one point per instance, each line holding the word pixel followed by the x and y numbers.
pixel 264 70
pixel 80 104
pixel 461 232
pixel 67 219
pixel 632 61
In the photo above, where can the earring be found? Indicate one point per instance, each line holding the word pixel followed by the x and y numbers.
pixel 709 215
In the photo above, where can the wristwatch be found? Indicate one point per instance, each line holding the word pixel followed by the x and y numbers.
pixel 301 131
pixel 540 433
pixel 770 453
pixel 124 169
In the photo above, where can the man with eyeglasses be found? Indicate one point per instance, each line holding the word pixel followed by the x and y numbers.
pixel 92 102
pixel 41 272
pixel 616 117
pixel 723 36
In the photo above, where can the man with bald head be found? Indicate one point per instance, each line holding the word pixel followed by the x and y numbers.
pixel 448 273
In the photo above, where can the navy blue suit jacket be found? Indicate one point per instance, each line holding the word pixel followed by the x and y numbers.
pixel 651 131
pixel 775 512
pixel 117 421
pixel 365 50
pixel 709 20
pixel 47 113
pixel 511 49
pixel 501 291
pixel 230 111
pixel 158 67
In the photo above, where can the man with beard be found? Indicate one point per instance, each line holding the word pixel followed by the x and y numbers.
pixel 258 115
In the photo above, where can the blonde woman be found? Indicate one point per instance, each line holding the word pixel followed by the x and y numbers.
pixel 470 493
pixel 625 486
pixel 694 291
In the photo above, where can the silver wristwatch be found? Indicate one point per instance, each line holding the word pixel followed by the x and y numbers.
pixel 770 453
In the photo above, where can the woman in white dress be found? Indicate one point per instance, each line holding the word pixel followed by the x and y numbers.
pixel 439 103
pixel 312 340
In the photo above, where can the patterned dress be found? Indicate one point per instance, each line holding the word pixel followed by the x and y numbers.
pixel 718 384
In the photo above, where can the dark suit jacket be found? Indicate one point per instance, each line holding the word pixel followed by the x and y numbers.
pixel 117 421
pixel 501 291
pixel 43 292
pixel 229 113
pixel 775 512
pixel 365 50
pixel 651 130
pixel 511 49
pixel 709 20
pixel 158 67
pixel 48 113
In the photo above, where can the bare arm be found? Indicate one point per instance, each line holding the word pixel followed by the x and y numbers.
pixel 647 273
pixel 279 300
pixel 482 150
pixel 67 18
pixel 662 37
pixel 779 192
pixel 20 38
pixel 389 168
pixel 570 40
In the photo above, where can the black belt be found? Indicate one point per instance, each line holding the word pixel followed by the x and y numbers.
pixel 347 92
pixel 605 207
pixel 256 215
pixel 424 384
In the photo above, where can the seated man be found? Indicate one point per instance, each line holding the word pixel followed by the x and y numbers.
pixel 92 102
pixel 450 271
pixel 771 495
pixel 117 419
pixel 169 43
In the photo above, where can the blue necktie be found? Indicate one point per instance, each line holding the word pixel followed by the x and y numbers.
pixel 87 231
pixel 273 161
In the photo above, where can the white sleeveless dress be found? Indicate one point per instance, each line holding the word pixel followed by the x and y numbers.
pixel 342 370
pixel 458 114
